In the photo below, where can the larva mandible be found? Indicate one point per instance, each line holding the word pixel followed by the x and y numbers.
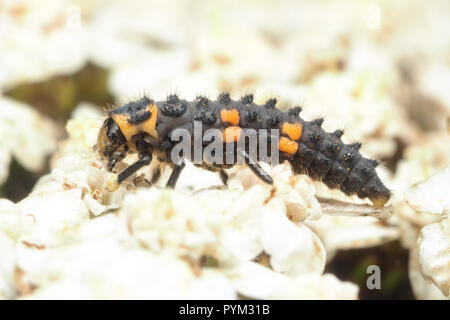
pixel 145 126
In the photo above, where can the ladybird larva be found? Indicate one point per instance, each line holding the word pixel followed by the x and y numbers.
pixel 146 126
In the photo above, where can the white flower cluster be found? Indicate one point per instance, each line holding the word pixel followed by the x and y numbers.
pixel 39 40
pixel 26 135
pixel 422 209
pixel 70 238
pixel 429 223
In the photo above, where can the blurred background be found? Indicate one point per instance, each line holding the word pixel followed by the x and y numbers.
pixel 379 69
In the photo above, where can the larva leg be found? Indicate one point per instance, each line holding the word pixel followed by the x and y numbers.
pixel 144 159
pixel 223 177
pixel 176 174
pixel 255 167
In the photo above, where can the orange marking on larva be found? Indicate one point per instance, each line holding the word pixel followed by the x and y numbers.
pixel 129 129
pixel 292 130
pixel 231 116
pixel 231 134
pixel 287 145
pixel 149 125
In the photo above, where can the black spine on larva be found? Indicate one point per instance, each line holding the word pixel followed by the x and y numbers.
pixel 174 107
pixel 132 107
pixel 247 99
pixel 201 102
pixel 275 119
pixel 295 111
pixel 224 98
pixel 270 103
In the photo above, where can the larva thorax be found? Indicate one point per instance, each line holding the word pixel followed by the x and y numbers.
pixel 146 126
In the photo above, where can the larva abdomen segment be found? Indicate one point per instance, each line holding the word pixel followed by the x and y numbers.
pixel 322 156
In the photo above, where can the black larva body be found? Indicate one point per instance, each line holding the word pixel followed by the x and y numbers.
pixel 320 155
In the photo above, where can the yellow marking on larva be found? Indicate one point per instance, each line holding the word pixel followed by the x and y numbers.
pixel 149 125
pixel 231 116
pixel 379 202
pixel 287 145
pixel 231 134
pixel 129 130
pixel 292 130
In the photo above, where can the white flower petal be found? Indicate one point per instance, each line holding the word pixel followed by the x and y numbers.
pixel 315 286
pixel 431 196
pixel 254 280
pixel 26 134
pixel 54 213
pixel 423 289
pixel 7 267
pixel 293 249
pixel 342 232
pixel 434 254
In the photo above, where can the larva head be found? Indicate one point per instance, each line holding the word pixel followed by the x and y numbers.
pixel 111 143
